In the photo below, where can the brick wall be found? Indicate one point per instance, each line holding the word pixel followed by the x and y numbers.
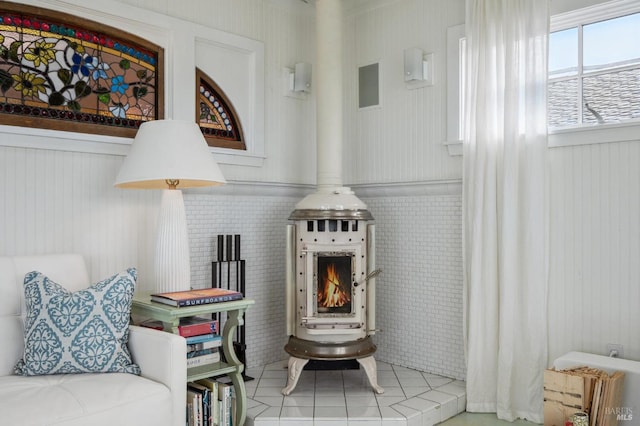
pixel 419 293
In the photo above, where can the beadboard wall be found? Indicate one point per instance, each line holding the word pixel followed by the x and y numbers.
pixel 64 202
pixel 594 266
pixel 402 140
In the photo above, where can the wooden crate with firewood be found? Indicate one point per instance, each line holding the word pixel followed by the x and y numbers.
pixel 582 389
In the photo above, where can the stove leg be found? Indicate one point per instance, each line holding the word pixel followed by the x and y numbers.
pixel 295 369
pixel 369 364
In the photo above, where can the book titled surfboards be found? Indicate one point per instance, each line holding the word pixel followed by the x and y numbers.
pixel 202 296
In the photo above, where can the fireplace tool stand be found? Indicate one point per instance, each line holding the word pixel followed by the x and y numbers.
pixel 229 272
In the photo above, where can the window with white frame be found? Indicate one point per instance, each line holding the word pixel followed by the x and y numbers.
pixel 594 68
pixel 594 76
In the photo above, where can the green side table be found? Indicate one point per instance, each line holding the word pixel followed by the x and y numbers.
pixel 170 317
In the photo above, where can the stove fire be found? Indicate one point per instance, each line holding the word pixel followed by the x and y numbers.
pixel 334 289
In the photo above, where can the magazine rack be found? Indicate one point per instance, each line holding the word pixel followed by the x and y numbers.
pixel 170 317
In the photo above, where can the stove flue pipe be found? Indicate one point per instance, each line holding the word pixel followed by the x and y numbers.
pixel 330 194
pixel 329 117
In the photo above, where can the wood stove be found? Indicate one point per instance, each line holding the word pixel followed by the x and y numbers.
pixel 331 284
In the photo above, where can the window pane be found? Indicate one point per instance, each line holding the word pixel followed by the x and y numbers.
pixel 612 97
pixel 563 103
pixel 613 42
pixel 563 53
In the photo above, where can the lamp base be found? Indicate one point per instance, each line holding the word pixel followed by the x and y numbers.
pixel 172 266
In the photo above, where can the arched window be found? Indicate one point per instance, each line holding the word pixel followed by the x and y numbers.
pixel 215 115
pixel 59 71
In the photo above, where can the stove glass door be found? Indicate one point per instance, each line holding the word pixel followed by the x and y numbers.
pixel 333 277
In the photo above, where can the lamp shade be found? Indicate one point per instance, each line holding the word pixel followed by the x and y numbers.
pixel 173 150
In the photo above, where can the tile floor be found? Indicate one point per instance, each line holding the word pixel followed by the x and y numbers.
pixel 345 398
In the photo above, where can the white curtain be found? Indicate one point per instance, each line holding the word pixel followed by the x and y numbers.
pixel 504 206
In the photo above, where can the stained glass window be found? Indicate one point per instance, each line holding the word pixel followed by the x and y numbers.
pixel 62 72
pixel 215 115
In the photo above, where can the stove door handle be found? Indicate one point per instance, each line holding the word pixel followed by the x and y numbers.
pixel 370 275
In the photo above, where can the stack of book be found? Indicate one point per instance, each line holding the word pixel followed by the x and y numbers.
pixel 203 340
pixel 202 335
pixel 210 402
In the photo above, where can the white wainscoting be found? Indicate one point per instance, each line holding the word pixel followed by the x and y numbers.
pixel 594 270
pixel 59 201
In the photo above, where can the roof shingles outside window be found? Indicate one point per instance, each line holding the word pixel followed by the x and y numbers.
pixel 607 98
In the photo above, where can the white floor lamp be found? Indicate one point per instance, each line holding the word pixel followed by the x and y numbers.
pixel 170 155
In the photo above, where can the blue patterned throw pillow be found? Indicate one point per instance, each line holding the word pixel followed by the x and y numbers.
pixel 84 331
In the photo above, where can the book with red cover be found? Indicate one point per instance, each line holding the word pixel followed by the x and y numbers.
pixel 195 326
pixel 189 326
pixel 196 297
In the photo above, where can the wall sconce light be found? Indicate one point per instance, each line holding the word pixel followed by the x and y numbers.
pixel 298 79
pixel 418 68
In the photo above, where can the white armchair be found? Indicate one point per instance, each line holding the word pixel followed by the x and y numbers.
pixel 156 397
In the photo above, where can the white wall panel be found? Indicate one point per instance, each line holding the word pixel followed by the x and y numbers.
pixel 289 33
pixel 402 140
pixel 594 287
pixel 57 202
